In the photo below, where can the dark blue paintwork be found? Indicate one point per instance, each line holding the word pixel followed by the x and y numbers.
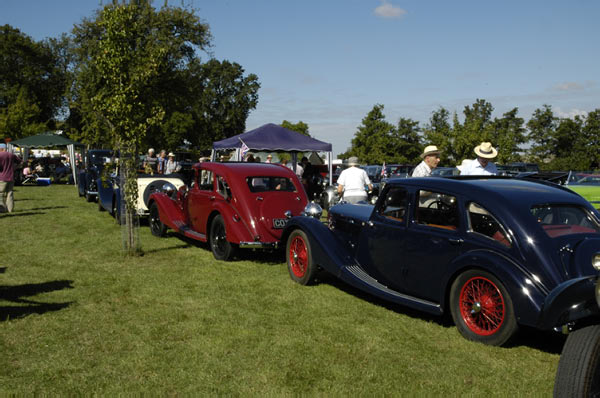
pixel 93 165
pixel 550 280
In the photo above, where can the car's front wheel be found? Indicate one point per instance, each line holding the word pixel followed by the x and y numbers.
pixel 221 248
pixel 116 211
pixel 299 258
pixel 482 309
pixel 156 226
pixel 578 373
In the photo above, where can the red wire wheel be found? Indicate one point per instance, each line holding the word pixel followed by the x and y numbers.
pixel 299 258
pixel 482 309
pixel 482 306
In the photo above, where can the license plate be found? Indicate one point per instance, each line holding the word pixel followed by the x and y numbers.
pixel 279 223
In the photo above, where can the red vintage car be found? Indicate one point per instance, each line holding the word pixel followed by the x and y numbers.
pixel 231 206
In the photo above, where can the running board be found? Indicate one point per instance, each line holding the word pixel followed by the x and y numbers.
pixel 385 292
pixel 184 229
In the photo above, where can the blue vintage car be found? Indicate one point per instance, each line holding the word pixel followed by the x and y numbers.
pixel 93 164
pixel 495 253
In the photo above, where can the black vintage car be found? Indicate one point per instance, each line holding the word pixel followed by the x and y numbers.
pixel 92 167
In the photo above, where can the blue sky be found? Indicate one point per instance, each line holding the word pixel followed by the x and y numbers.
pixel 328 62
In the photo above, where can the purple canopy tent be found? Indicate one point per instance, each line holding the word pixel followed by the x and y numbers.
pixel 272 137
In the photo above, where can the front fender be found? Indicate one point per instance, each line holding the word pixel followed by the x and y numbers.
pixel 170 212
pixel 327 250
pixel 570 301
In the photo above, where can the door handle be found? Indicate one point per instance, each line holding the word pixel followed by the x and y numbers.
pixel 455 241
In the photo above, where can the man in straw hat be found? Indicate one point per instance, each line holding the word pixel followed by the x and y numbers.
pixel 431 158
pixel 352 182
pixel 482 165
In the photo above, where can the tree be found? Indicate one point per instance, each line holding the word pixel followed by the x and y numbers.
pixel 477 128
pixel 438 132
pixel 591 138
pixel 369 142
pixel 507 134
pixel 299 127
pixel 171 35
pixel 542 127
pixel 134 47
pixel 31 84
pixel 405 144
pixel 221 100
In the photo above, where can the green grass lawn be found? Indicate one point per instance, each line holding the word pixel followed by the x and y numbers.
pixel 76 316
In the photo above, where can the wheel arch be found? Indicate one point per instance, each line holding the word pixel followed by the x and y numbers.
pixel 526 297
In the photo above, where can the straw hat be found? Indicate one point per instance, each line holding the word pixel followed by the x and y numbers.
pixel 486 150
pixel 171 154
pixel 353 161
pixel 430 150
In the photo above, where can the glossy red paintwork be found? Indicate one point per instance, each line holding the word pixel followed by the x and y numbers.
pixel 248 215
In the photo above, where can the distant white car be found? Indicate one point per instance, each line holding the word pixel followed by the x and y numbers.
pixel 109 191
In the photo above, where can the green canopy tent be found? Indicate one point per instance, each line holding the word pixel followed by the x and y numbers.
pixel 46 140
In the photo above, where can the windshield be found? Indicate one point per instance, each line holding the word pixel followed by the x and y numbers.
pixel 560 220
pixel 264 184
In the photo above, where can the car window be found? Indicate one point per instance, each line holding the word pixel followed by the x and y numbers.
pixel 223 187
pixel 483 222
pixel 264 184
pixel 559 220
pixel 395 204
pixel 437 210
pixel 205 180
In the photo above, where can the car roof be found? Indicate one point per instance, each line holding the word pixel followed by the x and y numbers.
pixel 492 189
pixel 246 169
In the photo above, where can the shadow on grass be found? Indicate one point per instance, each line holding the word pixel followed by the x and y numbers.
pixel 25 213
pixel 48 208
pixel 2 270
pixel 549 342
pixel 16 294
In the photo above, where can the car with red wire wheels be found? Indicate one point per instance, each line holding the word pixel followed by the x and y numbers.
pixel 494 253
pixel 232 206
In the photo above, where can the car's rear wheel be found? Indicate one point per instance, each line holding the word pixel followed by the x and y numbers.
pixel 221 248
pixel 299 258
pixel 578 373
pixel 482 309
pixel 156 226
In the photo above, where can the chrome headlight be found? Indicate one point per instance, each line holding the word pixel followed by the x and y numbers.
pixel 596 262
pixel 312 210
pixel 168 189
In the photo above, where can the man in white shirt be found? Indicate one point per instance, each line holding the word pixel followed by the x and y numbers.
pixel 431 158
pixel 352 182
pixel 482 165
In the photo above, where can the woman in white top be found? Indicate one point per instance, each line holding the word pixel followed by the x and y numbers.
pixel 352 182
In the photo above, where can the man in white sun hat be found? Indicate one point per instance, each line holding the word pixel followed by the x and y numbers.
pixel 482 165
pixel 431 158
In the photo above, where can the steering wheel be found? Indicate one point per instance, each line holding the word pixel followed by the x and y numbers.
pixel 439 204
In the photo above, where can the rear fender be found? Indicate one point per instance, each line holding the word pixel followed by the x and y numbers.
pixel 235 225
pixel 526 295
pixel 170 212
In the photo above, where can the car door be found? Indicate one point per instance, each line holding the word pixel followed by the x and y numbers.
pixel 411 246
pixel 200 201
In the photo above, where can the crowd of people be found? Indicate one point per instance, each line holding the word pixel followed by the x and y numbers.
pixel 161 164
pixel 353 181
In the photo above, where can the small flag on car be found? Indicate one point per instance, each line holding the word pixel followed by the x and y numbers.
pixel 383 170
